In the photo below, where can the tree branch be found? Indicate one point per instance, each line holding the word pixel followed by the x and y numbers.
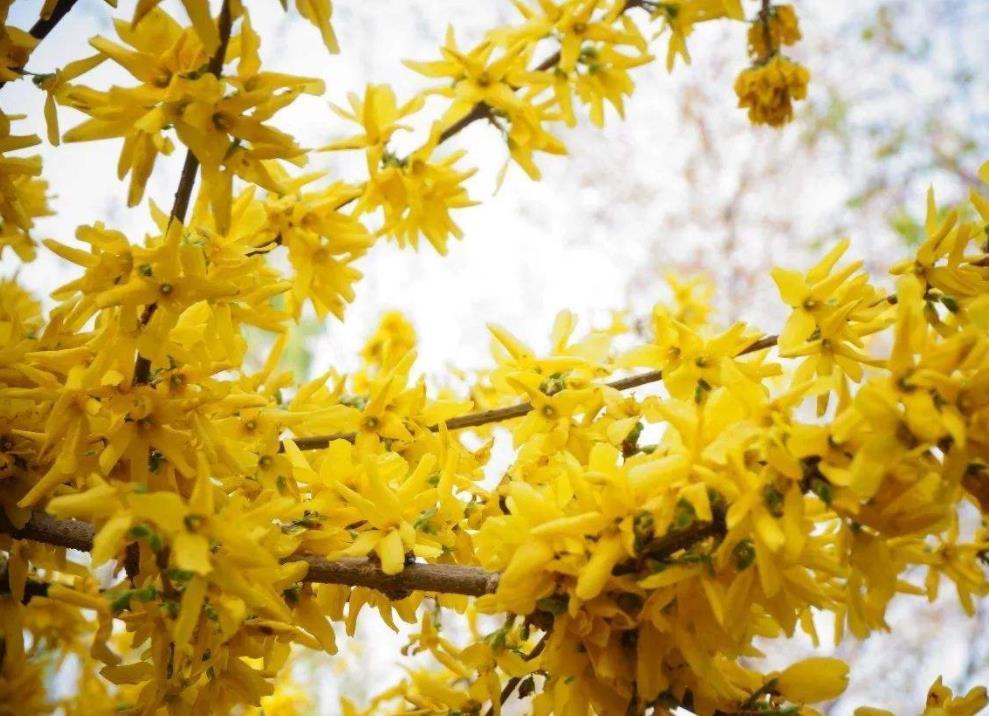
pixel 497 415
pixel 187 179
pixel 480 111
pixel 767 35
pixel 360 571
pixel 42 527
pixel 32 588
pixel 363 572
pixel 355 572
pixel 44 25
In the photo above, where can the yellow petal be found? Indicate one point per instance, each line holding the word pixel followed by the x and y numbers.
pixel 191 553
pixel 192 603
pixel 813 680
pixel 164 509
pixel 391 551
pixel 109 539
pixel 597 571
pixel 129 673
pixel 311 618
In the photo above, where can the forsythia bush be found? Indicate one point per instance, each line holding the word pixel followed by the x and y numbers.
pixel 638 544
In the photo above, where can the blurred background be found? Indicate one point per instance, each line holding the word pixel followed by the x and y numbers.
pixel 899 100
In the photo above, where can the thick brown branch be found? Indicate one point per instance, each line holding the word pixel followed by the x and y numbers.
pixel 497 415
pixel 71 534
pixel 357 572
pixel 363 572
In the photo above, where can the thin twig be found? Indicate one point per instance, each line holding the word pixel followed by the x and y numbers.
pixel 512 683
pixel 767 34
pixel 480 111
pixel 187 179
pixel 497 415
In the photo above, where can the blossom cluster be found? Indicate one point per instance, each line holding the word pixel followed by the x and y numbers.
pixel 650 537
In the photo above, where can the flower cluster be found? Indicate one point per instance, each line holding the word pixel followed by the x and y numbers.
pixel 22 193
pixel 232 513
pixel 769 87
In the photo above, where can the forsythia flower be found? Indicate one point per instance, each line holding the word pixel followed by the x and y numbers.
pixel 782 28
pixel 15 46
pixel 391 341
pixel 22 195
pixel 318 12
pixel 680 16
pixel 832 315
pixel 768 90
pixel 941 701
pixel 813 680
pixel 322 240
pixel 55 85
pixel 414 193
pixel 225 132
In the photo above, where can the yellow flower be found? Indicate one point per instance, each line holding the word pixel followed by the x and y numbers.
pixel 768 90
pixel 941 701
pixel 55 85
pixel 832 314
pixel 782 28
pixel 15 46
pixel 417 194
pixel 319 12
pixel 693 365
pixel 392 340
pixel 226 132
pixel 607 80
pixel 199 14
pixel 476 77
pixel 580 24
pixel 322 241
pixel 22 197
pixel 378 114
pixel 946 241
pixel 680 16
pixel 27 201
pixel 390 514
